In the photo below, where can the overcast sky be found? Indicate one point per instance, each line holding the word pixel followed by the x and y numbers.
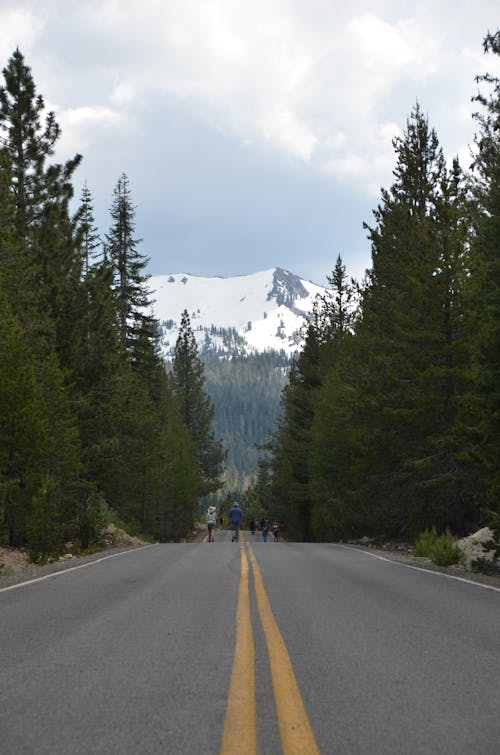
pixel 254 133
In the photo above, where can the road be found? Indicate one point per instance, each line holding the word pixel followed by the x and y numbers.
pixel 250 647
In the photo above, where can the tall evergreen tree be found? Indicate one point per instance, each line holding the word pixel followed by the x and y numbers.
pixel 42 193
pixel 178 472
pixel 291 446
pixel 87 234
pixel 335 311
pixel 97 386
pixel 196 407
pixel 129 269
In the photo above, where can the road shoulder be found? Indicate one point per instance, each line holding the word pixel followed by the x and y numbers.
pixel 493 580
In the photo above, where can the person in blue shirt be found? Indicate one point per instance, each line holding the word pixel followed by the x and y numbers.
pixel 235 516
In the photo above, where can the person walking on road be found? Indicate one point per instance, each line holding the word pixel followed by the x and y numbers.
pixel 265 531
pixel 235 516
pixel 211 522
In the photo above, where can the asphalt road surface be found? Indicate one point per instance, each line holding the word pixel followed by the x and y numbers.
pixel 249 647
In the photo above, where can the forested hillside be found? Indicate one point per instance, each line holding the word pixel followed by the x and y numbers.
pixel 391 417
pixel 91 426
pixel 246 394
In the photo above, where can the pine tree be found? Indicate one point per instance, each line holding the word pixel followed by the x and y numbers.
pixel 87 234
pixel 97 392
pixel 196 409
pixel 339 511
pixel 128 267
pixel 41 193
pixel 335 312
pixel 178 474
pixel 291 446
pixel 27 144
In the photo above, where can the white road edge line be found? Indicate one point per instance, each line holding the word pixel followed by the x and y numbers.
pixel 419 568
pixel 74 568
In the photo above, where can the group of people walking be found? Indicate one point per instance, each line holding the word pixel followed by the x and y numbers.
pixel 266 529
pixel 235 519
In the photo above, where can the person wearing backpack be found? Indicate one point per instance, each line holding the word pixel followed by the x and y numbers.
pixel 211 522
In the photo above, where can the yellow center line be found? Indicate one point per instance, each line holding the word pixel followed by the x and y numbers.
pixel 239 736
pixel 297 737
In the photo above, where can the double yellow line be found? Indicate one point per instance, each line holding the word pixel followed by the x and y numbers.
pixel 239 734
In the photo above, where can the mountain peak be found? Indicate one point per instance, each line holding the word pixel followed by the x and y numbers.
pixel 287 288
pixel 237 315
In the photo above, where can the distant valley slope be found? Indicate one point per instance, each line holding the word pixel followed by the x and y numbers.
pixel 237 316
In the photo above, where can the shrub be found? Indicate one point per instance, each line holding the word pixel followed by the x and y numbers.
pixel 425 543
pixel 443 550
pixel 446 551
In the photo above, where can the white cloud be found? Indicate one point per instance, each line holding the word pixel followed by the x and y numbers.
pixel 124 93
pixel 19 26
pixel 326 83
pixel 310 82
pixel 80 125
pixel 286 131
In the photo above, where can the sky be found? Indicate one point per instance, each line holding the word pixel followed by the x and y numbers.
pixel 254 134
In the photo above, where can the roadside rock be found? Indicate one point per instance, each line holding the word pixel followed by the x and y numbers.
pixel 114 537
pixel 478 548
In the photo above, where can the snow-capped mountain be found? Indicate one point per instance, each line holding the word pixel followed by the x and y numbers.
pixel 235 316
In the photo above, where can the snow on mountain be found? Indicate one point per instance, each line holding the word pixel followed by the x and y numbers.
pixel 235 316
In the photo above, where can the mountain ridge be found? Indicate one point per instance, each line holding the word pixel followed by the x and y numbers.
pixel 235 316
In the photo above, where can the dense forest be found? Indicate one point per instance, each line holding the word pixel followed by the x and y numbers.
pixel 92 428
pixel 390 421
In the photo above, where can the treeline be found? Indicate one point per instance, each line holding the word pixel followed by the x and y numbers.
pixel 391 418
pixel 91 426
